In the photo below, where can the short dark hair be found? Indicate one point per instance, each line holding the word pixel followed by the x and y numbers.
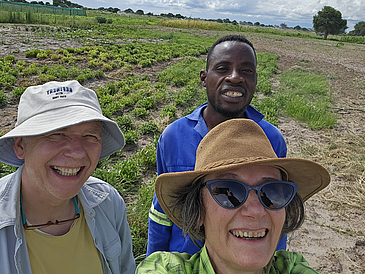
pixel 189 200
pixel 232 37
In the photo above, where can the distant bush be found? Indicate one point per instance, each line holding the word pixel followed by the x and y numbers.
pixel 100 20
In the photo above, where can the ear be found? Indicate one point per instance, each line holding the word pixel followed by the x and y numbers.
pixel 201 222
pixel 19 147
pixel 203 77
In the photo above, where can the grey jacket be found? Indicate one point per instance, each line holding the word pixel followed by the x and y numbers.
pixel 104 211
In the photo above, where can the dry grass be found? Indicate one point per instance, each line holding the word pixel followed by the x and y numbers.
pixel 344 157
pixel 348 194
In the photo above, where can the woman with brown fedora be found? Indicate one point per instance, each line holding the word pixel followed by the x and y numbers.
pixel 239 200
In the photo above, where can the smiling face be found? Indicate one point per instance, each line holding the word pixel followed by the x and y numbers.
pixel 231 79
pixel 242 239
pixel 58 163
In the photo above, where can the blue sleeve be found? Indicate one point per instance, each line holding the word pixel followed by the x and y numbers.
pixel 158 234
pixel 275 137
pixel 161 165
pixel 282 243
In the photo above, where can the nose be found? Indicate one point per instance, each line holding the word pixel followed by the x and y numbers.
pixel 252 206
pixel 235 76
pixel 75 148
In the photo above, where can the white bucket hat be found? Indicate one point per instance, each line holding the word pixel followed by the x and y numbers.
pixel 57 105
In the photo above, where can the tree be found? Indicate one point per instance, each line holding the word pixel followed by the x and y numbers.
pixel 283 26
pixel 359 29
pixel 140 12
pixel 329 21
pixel 127 10
pixel 297 27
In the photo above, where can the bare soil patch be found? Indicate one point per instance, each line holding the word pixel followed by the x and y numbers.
pixel 332 238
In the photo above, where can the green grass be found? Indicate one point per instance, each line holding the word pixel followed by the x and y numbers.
pixel 304 96
pixel 6 169
pixel 183 73
pixel 138 219
pixel 266 66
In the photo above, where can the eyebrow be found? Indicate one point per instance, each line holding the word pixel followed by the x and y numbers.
pixel 224 62
pixel 94 130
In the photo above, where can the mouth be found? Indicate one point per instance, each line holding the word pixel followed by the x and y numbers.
pixel 249 235
pixel 233 94
pixel 67 171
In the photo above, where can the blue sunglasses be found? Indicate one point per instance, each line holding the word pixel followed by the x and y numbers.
pixel 231 194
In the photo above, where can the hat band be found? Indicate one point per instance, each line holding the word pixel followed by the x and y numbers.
pixel 232 162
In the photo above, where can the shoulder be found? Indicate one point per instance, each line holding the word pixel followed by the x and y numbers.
pixel 292 262
pixel 10 182
pixel 269 128
pixel 97 191
pixel 99 185
pixel 4 180
pixel 184 123
pixel 258 117
pixel 180 124
pixel 165 262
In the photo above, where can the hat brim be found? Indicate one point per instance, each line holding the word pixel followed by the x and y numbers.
pixel 112 138
pixel 310 177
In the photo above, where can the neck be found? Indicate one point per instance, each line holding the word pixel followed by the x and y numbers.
pixel 213 118
pixel 38 210
pixel 223 267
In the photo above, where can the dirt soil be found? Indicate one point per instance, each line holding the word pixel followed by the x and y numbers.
pixel 332 237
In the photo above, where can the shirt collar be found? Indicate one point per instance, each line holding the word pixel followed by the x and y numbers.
pixel 201 126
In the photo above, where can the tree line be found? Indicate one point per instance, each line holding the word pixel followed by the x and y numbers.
pixel 326 21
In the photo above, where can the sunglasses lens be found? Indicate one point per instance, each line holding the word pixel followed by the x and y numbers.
pixel 277 195
pixel 228 194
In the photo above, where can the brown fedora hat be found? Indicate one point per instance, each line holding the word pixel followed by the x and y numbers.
pixel 235 143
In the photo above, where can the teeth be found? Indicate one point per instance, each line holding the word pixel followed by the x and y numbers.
pixel 66 171
pixel 233 94
pixel 249 234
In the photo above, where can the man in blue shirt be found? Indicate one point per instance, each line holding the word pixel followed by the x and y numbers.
pixel 230 80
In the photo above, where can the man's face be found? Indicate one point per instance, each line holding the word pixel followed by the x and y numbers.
pixel 231 78
pixel 246 237
pixel 57 164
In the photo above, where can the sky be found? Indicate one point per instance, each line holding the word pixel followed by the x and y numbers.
pixel 268 12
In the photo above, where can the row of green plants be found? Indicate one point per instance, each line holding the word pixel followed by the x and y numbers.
pixel 99 59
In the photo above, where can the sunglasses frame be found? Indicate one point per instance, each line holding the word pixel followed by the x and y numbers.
pixel 248 188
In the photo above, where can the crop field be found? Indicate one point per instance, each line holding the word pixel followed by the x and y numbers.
pixel 145 72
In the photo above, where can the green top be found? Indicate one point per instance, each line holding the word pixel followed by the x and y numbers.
pixel 199 263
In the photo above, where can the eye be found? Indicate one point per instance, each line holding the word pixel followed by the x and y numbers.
pixel 222 69
pixel 56 136
pixel 93 138
pixel 248 70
